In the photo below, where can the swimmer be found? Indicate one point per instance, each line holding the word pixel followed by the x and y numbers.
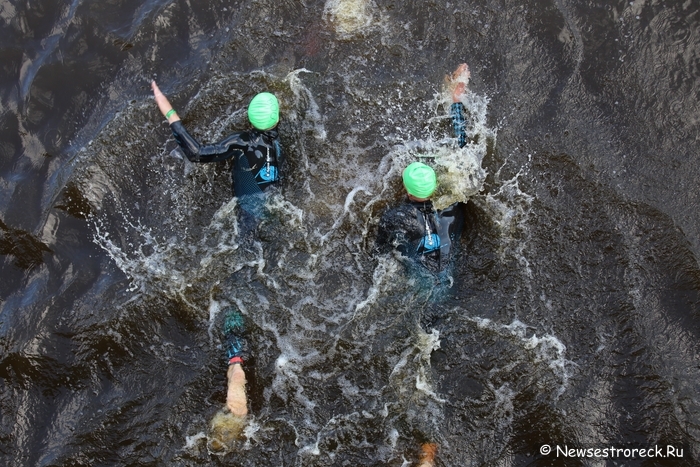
pixel 256 152
pixel 416 229
pixel 425 234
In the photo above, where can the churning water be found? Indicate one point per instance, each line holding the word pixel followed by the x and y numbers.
pixel 570 314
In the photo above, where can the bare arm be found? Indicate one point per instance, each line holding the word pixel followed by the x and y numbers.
pixel 163 104
pixel 236 398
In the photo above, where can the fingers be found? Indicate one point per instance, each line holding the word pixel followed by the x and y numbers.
pixel 461 70
pixel 163 104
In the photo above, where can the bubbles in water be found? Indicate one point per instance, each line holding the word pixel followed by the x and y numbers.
pixel 303 98
pixel 305 279
pixel 460 175
pixel 225 430
pixel 349 16
pixel 385 270
pixel 192 441
pixel 546 349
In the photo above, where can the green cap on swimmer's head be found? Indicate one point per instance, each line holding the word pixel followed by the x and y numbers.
pixel 264 111
pixel 419 180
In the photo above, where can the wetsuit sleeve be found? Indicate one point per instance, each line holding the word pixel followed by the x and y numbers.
pixel 236 346
pixel 383 242
pixel 459 123
pixel 391 232
pixel 197 152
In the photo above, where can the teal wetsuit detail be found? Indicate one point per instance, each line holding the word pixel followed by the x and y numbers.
pixel 459 123
pixel 234 330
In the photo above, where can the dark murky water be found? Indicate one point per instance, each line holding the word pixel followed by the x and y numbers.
pixel 570 316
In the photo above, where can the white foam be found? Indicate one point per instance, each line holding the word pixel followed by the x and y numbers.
pixel 346 211
pixel 547 348
pixel 349 17
pixel 304 98
pixel 428 342
pixel 214 309
pixel 349 390
pixel 192 441
pixel 393 437
pixel 504 406
pixel 423 385
pixel 250 431
pixel 386 269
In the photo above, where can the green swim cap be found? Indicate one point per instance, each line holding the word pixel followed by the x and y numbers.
pixel 264 111
pixel 419 180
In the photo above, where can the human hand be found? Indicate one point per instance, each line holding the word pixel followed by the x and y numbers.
pixel 456 82
pixel 461 70
pixel 163 104
pixel 427 455
pixel 458 92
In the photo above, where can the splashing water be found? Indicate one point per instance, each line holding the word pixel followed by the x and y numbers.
pixel 316 300
pixel 349 16
pixel 225 430
pixel 459 171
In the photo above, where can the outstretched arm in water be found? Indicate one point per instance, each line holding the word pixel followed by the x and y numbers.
pixel 236 399
pixel 227 425
pixel 458 85
pixel 236 351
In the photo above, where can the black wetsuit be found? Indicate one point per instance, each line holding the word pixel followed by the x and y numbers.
pixel 417 229
pixel 256 160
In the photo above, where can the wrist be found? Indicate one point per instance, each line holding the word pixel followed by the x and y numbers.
pixel 234 360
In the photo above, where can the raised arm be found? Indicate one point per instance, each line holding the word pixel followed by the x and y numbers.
pixel 228 424
pixel 164 105
pixel 457 112
pixel 456 83
pixel 193 149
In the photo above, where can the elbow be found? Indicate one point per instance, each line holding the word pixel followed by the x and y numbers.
pixel 191 153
